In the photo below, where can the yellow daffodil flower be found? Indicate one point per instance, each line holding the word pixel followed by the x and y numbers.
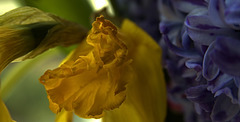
pixel 94 81
pixel 115 74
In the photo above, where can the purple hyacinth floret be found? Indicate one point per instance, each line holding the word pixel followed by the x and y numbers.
pixel 205 37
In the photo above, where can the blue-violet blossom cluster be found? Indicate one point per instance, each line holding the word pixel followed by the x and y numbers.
pixel 201 41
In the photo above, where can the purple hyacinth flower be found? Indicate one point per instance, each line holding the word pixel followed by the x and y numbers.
pixel 204 38
pixel 181 58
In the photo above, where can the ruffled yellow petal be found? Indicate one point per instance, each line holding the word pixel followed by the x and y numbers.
pixel 146 95
pixel 4 114
pixel 93 79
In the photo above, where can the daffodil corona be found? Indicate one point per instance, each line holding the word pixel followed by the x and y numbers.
pixel 109 71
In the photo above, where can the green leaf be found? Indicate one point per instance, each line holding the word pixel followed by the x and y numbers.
pixel 78 11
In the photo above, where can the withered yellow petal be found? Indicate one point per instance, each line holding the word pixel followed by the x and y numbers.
pixel 13 44
pixel 94 77
pixel 146 94
pixel 24 16
pixel 64 33
pixel 4 114
pixel 26 32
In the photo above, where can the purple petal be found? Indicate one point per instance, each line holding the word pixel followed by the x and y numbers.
pixel 186 40
pixel 199 94
pixel 202 30
pixel 198 108
pixel 197 2
pixel 226 55
pixel 214 11
pixel 229 90
pixel 200 22
pixel 202 96
pixel 188 5
pixel 210 70
pixel 180 51
pixel 194 64
pixel 207 107
pixel 232 15
pixel 204 48
pixel 189 73
pixel 223 109
pixel 237 82
pixel 219 82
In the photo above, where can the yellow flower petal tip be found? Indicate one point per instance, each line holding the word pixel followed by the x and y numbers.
pixel 4 114
pixel 64 116
pixel 93 79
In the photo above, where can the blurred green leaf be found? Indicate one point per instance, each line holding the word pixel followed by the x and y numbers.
pixel 24 96
pixel 78 11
